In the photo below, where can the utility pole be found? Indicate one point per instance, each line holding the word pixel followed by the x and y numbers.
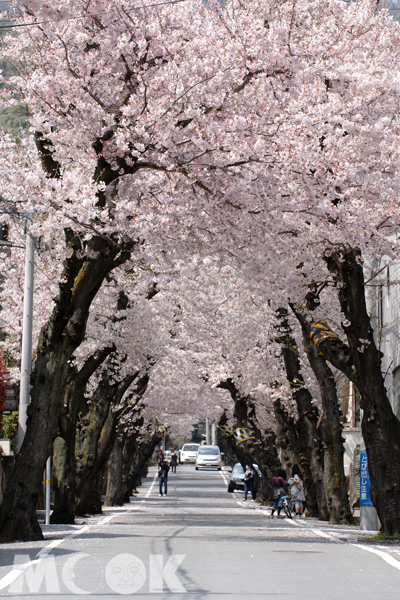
pixel 26 355
pixel 207 431
pixel 213 436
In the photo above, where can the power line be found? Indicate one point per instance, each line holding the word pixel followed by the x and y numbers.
pixel 89 16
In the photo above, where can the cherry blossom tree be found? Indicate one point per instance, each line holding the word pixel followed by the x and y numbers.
pixel 264 136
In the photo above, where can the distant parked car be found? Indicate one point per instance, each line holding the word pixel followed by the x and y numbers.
pixel 167 455
pixel 236 480
pixel 188 453
pixel 209 456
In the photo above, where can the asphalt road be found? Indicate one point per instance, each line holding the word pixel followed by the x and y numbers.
pixel 199 542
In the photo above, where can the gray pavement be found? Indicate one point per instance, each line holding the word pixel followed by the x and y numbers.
pixel 199 542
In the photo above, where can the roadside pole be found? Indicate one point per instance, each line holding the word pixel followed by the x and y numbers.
pixel 207 431
pixel 26 355
pixel 48 474
pixel 213 436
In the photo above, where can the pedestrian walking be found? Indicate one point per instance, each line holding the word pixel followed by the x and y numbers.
pixel 174 461
pixel 249 477
pixel 163 475
pixel 297 490
pixel 280 486
pixel 160 456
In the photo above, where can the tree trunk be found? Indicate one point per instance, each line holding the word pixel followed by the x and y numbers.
pixel 88 434
pixel 83 274
pixel 291 442
pixel 104 449
pixel 114 479
pixel 64 474
pixel 262 449
pixel 330 428
pixel 135 456
pixel 64 463
pixel 380 427
pixel 95 437
pixel 311 449
pixel 286 436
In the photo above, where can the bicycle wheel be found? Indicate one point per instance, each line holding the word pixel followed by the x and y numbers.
pixel 288 512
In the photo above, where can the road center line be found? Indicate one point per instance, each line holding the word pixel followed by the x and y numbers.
pixel 391 560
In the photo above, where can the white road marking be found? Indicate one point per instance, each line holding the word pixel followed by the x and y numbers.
pixel 106 520
pixel 324 535
pixel 391 560
pixel 10 578
pixel 15 573
pixel 152 485
pixel 43 552
pixel 47 549
pixel 385 548
pixel 223 476
pixel 83 529
pixel 292 522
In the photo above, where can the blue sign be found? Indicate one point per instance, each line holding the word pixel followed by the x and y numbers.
pixel 365 482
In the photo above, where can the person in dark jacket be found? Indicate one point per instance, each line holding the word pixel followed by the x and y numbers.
pixel 163 475
pixel 174 461
pixel 249 483
pixel 280 486
pixel 160 456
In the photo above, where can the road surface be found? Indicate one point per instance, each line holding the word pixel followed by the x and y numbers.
pixel 199 542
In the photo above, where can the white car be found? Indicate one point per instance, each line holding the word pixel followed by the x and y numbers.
pixel 188 453
pixel 209 456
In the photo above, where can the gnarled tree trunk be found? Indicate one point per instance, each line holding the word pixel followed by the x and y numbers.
pixel 84 271
pixel 262 450
pixel 330 428
pixel 310 450
pixel 114 479
pixel 380 427
pixel 135 456
pixel 95 437
pixel 64 467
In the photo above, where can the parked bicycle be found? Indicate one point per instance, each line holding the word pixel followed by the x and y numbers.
pixel 286 505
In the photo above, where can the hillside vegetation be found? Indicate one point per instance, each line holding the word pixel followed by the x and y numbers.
pixel 13 119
